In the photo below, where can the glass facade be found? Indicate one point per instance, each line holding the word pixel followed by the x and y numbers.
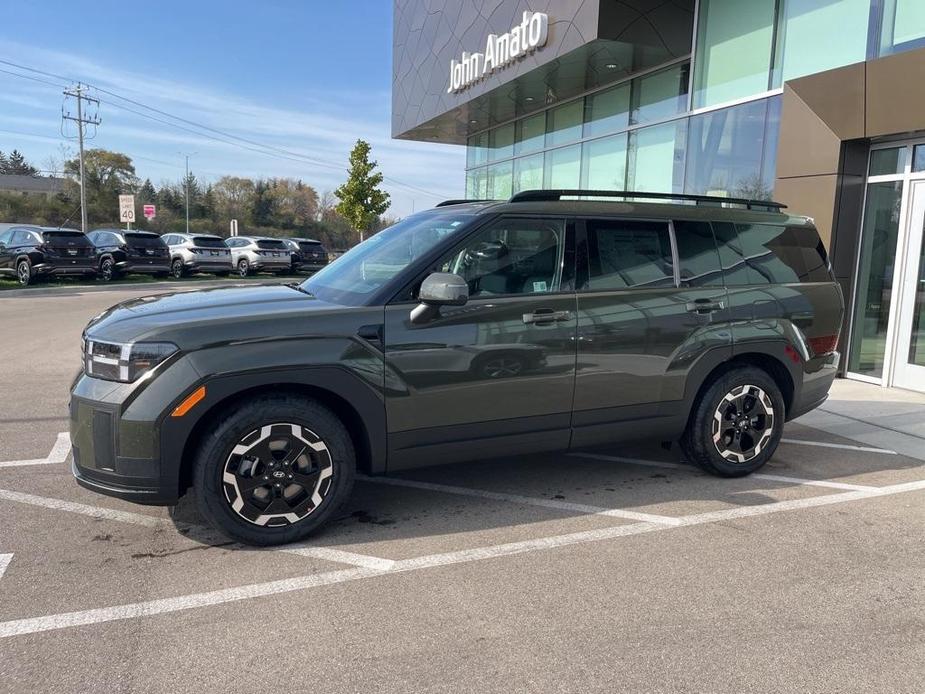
pixel 634 136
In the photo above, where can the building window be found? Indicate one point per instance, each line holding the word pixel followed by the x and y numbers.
pixel 735 39
pixel 603 163
pixel 887 162
pixel 528 173
pixel 500 179
pixel 563 123
pixel 502 142
pixel 655 159
pixel 660 95
pixel 477 152
pixel 530 134
pixel 477 184
pixel 608 111
pixel 903 26
pixel 725 151
pixel 817 35
pixel 563 167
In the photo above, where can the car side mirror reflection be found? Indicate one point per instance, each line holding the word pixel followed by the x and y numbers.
pixel 439 289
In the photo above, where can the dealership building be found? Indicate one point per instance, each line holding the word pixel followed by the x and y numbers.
pixel 817 104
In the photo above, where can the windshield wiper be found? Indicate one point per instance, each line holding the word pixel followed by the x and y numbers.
pixel 299 288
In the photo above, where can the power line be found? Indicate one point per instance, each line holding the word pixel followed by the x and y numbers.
pixel 34 79
pixel 263 148
pixel 79 93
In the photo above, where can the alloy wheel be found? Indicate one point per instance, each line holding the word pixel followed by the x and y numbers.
pixel 106 270
pixel 24 273
pixel 502 367
pixel 743 423
pixel 177 268
pixel 243 268
pixel 277 475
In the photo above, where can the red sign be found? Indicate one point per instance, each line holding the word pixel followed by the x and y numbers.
pixel 149 211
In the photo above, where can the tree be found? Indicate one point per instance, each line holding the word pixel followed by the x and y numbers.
pixel 108 174
pixel 361 200
pixel 234 197
pixel 16 164
pixel 147 193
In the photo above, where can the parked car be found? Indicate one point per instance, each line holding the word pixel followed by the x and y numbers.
pixel 198 253
pixel 710 321
pixel 253 254
pixel 307 254
pixel 28 252
pixel 121 252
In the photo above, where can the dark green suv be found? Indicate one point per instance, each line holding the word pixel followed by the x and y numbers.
pixel 555 320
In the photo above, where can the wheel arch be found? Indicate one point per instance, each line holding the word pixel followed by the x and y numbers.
pixel 363 418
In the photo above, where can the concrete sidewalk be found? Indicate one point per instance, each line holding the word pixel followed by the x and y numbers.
pixel 882 417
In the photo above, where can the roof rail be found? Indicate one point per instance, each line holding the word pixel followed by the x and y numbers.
pixel 445 203
pixel 547 195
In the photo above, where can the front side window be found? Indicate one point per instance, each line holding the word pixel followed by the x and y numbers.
pixel 625 254
pixel 366 268
pixel 512 256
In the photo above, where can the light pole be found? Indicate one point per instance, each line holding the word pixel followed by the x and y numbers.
pixel 186 184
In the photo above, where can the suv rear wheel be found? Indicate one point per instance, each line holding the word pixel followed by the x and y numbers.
pixel 107 270
pixel 24 272
pixel 177 269
pixel 273 470
pixel 736 423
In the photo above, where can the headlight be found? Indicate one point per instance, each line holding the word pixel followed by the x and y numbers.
pixel 124 362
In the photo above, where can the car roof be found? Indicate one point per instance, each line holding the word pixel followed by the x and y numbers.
pixel 36 227
pixel 717 209
pixel 302 238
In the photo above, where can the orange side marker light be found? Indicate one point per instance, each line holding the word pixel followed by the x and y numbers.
pixel 190 402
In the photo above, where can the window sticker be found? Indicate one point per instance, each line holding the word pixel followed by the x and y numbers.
pixel 539 287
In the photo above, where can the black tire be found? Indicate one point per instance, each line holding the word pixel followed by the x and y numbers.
pixel 107 270
pixel 215 460
pixel 24 272
pixel 748 438
pixel 177 269
pixel 244 267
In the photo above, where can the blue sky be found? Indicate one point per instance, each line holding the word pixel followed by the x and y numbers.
pixel 309 77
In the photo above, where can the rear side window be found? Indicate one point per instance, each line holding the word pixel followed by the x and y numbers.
pixel 782 255
pixel 698 259
pixel 623 254
pixel 144 240
pixel 70 238
pixel 272 243
pixel 208 242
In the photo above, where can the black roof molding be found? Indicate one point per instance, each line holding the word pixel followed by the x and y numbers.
pixel 548 195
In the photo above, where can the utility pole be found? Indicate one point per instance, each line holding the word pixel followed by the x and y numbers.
pixel 186 184
pixel 78 93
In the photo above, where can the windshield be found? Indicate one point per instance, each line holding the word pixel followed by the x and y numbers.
pixel 354 276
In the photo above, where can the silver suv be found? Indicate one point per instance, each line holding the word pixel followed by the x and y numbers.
pixel 198 253
pixel 252 254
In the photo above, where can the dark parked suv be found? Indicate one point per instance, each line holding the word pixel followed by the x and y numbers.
pixel 475 329
pixel 121 252
pixel 28 252
pixel 307 254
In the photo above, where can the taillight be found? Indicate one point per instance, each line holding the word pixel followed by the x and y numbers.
pixel 821 346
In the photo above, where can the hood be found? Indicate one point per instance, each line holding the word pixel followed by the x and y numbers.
pixel 190 317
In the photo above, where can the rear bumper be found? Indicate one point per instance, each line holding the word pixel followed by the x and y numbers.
pixel 144 267
pixel 816 385
pixel 47 269
pixel 206 266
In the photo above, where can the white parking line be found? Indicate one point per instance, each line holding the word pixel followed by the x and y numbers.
pixel 34 625
pixel 825 444
pixel 58 454
pixel 526 500
pixel 4 562
pixel 757 475
pixel 340 556
pixel 194 532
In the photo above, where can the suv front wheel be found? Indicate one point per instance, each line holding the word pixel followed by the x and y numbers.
pixel 274 470
pixel 736 423
pixel 177 268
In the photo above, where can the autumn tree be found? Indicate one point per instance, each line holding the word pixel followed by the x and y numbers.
pixel 234 197
pixel 107 175
pixel 361 200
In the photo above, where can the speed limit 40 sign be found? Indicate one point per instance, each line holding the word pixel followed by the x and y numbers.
pixel 126 208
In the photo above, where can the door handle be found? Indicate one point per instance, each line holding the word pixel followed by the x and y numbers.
pixel 545 316
pixel 704 306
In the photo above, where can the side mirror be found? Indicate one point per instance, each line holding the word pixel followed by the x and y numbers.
pixel 439 289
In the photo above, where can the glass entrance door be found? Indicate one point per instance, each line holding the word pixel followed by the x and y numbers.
pixel 909 370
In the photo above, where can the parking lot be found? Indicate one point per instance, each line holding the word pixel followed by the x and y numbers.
pixel 605 570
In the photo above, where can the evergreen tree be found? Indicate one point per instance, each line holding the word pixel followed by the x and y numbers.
pixel 147 193
pixel 361 200
pixel 16 164
pixel 262 211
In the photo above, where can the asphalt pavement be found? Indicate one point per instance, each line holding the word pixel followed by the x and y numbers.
pixel 619 569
